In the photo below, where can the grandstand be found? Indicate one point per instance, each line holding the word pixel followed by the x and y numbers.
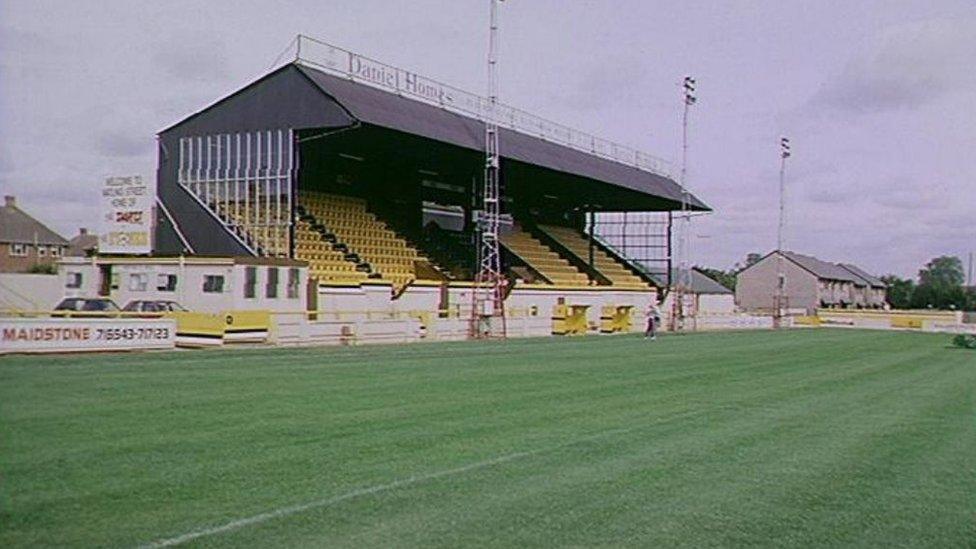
pixel 604 263
pixel 371 175
pixel 540 259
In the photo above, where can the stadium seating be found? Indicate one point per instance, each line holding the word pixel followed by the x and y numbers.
pixel 388 255
pixel 603 262
pixel 453 250
pixel 254 225
pixel 542 260
pixel 324 262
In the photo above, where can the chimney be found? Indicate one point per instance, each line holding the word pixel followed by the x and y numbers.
pixel 82 231
pixel 10 201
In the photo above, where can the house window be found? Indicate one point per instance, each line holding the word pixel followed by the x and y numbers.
pixel 166 283
pixel 250 282
pixel 292 283
pixel 138 282
pixel 41 251
pixel 73 281
pixel 55 251
pixel 271 290
pixel 213 284
pixel 18 250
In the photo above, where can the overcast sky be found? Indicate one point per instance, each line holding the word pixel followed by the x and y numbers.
pixel 878 97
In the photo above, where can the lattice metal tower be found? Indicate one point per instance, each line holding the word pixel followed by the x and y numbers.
pixel 488 293
pixel 683 283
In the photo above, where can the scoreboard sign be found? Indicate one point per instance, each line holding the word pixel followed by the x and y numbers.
pixel 61 335
pixel 126 223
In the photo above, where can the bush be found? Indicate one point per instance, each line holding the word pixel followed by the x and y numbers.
pixel 43 268
pixel 965 341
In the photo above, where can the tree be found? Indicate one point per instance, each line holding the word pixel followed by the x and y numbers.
pixel 753 258
pixel 899 292
pixel 942 272
pixel 940 285
pixel 725 278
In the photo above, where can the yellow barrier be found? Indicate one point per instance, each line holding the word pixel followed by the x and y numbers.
pixel 622 318
pixel 880 314
pixel 607 315
pixel 806 320
pixel 615 319
pixel 206 329
pixel 912 322
pixel 247 326
pixel 198 329
pixel 559 314
pixel 424 318
pixel 576 321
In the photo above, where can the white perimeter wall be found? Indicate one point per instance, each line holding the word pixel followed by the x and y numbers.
pixel 716 303
pixel 30 292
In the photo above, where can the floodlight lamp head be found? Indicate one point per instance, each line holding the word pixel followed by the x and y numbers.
pixel 784 145
pixel 689 87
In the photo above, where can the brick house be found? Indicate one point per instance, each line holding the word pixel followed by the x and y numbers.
pixel 811 283
pixel 25 241
pixel 84 244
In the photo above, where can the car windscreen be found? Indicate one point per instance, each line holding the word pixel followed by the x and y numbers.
pixel 68 305
pixel 99 305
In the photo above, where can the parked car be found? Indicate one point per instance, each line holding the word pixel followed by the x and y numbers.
pixel 152 306
pixel 86 306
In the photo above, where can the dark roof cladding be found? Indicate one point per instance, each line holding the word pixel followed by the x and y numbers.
pixel 388 110
pixel 869 278
pixel 822 269
pixel 844 272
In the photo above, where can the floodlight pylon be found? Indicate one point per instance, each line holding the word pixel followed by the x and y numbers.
pixel 682 285
pixel 488 291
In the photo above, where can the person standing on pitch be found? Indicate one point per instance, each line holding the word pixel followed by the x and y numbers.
pixel 653 317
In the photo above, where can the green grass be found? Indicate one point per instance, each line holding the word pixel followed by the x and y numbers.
pixel 816 437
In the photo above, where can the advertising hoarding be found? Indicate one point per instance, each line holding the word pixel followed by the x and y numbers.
pixel 126 222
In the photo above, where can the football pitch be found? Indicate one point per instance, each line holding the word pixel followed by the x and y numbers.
pixel 806 437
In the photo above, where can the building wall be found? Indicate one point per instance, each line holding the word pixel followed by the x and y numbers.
pixel 755 287
pixel 716 303
pixel 869 297
pixel 35 255
pixel 876 298
pixel 147 281
pixel 285 99
pixel 839 293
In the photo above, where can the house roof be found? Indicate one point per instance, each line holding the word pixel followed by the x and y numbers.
pixel 389 110
pixel 82 243
pixel 700 282
pixel 822 269
pixel 844 272
pixel 18 227
pixel 871 280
